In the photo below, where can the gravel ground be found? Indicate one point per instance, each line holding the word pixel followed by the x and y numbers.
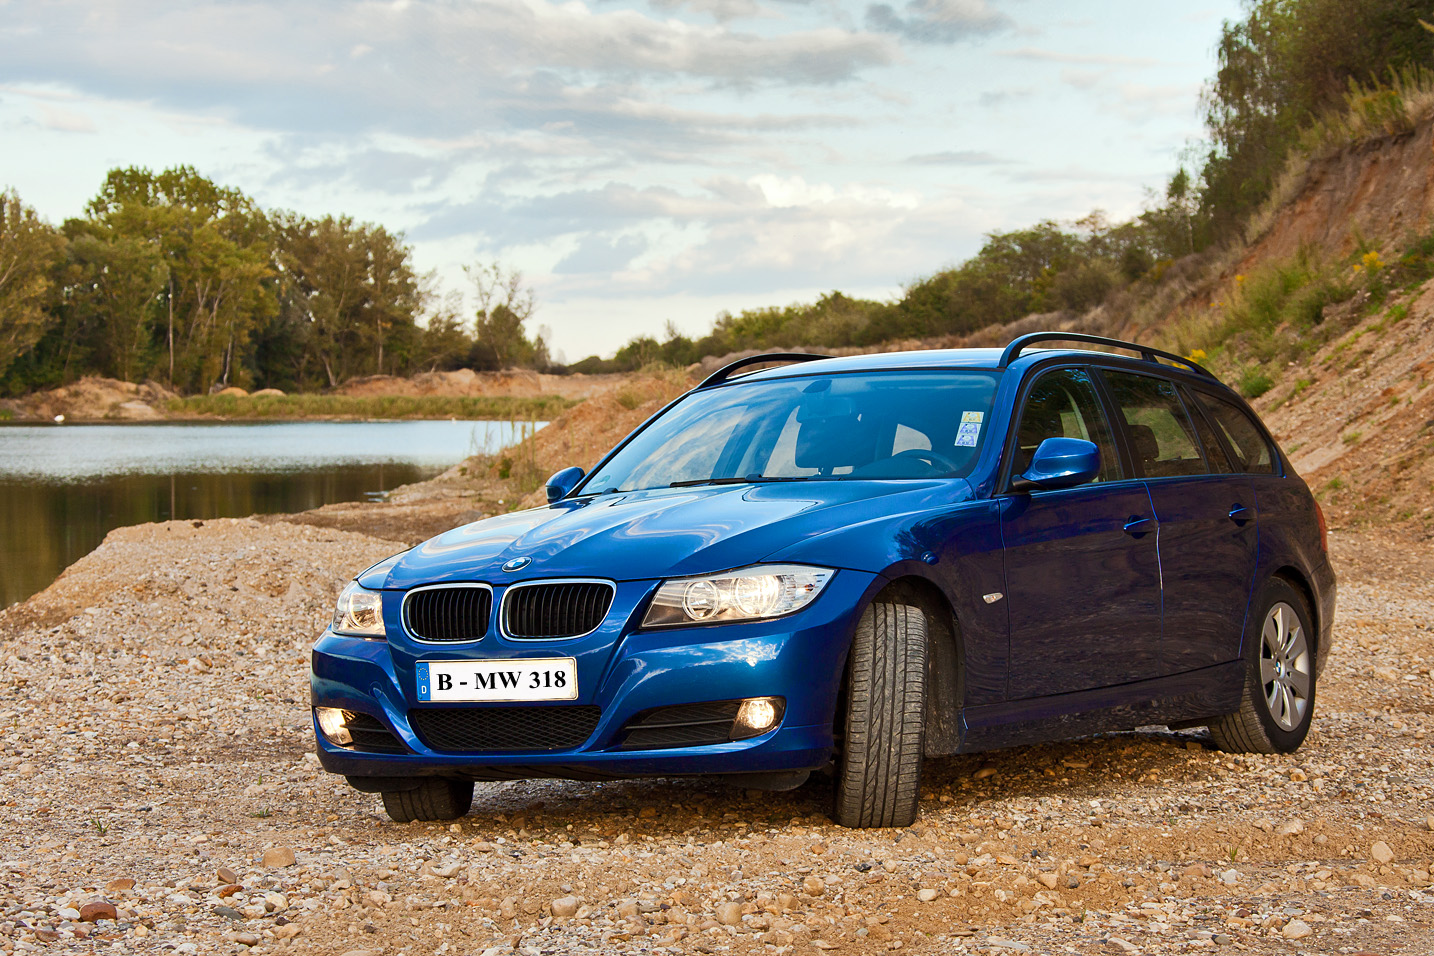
pixel 159 795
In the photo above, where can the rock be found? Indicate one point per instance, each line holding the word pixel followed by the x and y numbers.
pixel 275 902
pixel 119 887
pixel 233 391
pixel 1048 880
pixel 246 939
pixel 287 931
pixel 228 890
pixel 1196 869
pixel 927 895
pixel 228 912
pixel 1117 945
pixel 823 944
pixel 96 910
pixel 786 902
pixel 448 871
pixel 985 772
pixel 1010 944
pixel 508 909
pixel 273 393
pixel 1296 929
pixel 813 886
pixel 1291 827
pixel 1381 853
pixel 225 875
pixel 729 914
pixel 1230 876
pixel 566 906
pixel 277 857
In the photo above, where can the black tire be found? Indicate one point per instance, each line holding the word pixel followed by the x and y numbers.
pixel 1273 716
pixel 436 798
pixel 878 772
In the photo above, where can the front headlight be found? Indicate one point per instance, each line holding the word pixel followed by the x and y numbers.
pixel 359 613
pixel 747 595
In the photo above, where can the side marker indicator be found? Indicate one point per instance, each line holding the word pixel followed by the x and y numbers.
pixel 993 597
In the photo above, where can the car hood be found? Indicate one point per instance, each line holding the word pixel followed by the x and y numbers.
pixel 663 532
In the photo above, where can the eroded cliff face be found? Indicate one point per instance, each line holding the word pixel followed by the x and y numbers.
pixel 1380 193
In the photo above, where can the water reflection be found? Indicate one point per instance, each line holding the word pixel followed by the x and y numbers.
pixel 63 489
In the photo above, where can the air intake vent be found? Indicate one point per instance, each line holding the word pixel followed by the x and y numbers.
pixel 371 735
pixel 683 725
pixel 448 614
pixel 483 729
pixel 556 609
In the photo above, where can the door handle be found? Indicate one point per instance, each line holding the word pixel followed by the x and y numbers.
pixel 1241 515
pixel 1137 527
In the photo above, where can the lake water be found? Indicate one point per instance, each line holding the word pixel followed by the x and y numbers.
pixel 63 488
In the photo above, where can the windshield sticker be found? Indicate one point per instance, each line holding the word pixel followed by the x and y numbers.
pixel 970 431
pixel 969 417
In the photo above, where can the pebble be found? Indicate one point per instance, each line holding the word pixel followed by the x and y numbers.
pixel 1292 827
pixel 1011 944
pixel 247 939
pixel 228 912
pixel 1119 945
pixel 1296 929
pixel 278 857
pixel 96 910
pixel 813 886
pixel 225 875
pixel 566 906
pixel 1381 853
pixel 729 914
pixel 927 895
pixel 119 887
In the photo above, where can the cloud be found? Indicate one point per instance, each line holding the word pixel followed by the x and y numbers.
pixel 425 67
pixel 1077 59
pixel 958 157
pixel 597 254
pixel 938 21
pixel 65 121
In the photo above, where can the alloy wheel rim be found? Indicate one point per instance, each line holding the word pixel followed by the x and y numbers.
pixel 1285 666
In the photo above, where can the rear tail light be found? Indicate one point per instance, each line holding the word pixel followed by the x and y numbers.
pixel 1323 528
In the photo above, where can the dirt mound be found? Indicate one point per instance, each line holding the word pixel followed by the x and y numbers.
pixel 464 382
pixel 94 399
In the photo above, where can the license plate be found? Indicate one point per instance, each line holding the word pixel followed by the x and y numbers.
pixel 543 678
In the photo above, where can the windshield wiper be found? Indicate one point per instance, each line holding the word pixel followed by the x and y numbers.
pixel 747 480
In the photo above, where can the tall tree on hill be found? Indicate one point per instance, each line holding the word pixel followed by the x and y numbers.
pixel 1280 68
pixel 29 249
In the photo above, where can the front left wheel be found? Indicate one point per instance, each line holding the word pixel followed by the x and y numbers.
pixel 435 798
pixel 878 780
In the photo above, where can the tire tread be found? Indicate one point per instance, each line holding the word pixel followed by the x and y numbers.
pixel 436 798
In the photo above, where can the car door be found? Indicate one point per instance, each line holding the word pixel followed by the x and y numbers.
pixel 1207 517
pixel 1082 567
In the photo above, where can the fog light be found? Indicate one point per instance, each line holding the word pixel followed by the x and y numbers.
pixel 331 722
pixel 757 715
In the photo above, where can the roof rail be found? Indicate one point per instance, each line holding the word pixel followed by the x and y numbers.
pixel 725 372
pixel 1022 342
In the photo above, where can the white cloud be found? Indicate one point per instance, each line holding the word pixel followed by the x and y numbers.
pixel 938 21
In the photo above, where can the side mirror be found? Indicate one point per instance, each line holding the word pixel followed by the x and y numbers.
pixel 562 483
pixel 1060 463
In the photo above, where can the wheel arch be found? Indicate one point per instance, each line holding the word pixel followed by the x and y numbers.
pixel 1296 579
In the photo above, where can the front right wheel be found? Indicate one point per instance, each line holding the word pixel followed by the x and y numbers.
pixel 435 798
pixel 1279 694
pixel 878 779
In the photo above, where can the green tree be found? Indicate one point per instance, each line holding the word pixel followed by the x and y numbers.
pixel 118 282
pixel 30 249
pixel 504 305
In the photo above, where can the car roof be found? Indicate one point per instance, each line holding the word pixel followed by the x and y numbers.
pixel 972 358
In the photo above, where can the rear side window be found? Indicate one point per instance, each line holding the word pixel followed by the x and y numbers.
pixel 1214 452
pixel 1252 452
pixel 1063 404
pixel 1162 439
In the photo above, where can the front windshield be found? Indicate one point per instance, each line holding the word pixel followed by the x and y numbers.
pixel 877 425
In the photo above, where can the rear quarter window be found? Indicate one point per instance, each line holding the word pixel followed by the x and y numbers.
pixel 1253 454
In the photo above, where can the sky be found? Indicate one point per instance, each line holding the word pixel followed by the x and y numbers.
pixel 640 161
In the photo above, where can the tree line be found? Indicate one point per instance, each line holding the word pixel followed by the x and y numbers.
pixel 172 278
pixel 1281 69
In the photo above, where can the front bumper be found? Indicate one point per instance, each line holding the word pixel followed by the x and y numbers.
pixel 623 671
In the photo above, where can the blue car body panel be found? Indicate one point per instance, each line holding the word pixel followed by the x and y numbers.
pixel 1102 606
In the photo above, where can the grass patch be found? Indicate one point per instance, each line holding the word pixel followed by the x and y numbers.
pixel 1352 438
pixel 1254 383
pixel 6 415
pixel 303 407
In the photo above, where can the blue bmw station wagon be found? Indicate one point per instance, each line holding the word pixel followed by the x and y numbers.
pixel 847 565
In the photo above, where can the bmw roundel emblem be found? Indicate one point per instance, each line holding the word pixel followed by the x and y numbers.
pixel 517 564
